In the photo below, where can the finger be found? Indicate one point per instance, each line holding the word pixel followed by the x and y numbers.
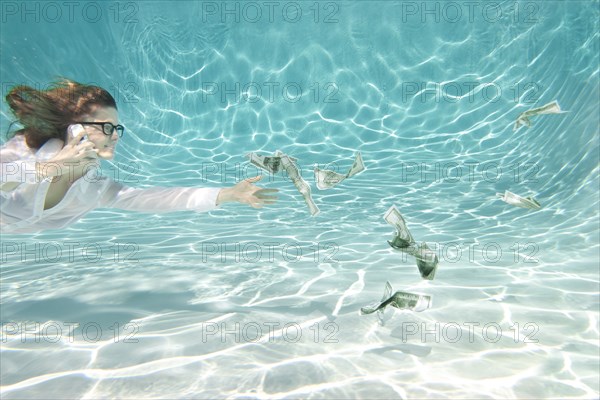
pixel 266 191
pixel 267 198
pixel 263 195
pixel 85 146
pixel 87 150
pixel 77 138
pixel 264 201
pixel 254 179
pixel 90 154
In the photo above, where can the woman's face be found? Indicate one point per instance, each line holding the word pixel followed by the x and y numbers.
pixel 105 144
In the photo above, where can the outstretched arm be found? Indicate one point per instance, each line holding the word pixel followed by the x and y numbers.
pixel 161 199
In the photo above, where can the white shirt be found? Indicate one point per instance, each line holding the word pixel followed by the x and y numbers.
pixel 22 209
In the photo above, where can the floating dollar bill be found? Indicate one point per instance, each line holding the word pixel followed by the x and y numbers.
pixel 292 170
pixel 327 179
pixel 399 243
pixel 427 260
pixel 270 164
pixel 400 300
pixel 274 164
pixel 357 166
pixel 403 236
pixel 550 108
pixel 523 202
pixel 387 293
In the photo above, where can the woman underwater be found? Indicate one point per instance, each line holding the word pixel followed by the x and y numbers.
pixel 49 177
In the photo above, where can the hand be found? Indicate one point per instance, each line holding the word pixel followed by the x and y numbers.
pixel 72 159
pixel 245 192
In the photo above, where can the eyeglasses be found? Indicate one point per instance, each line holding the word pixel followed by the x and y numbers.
pixel 107 127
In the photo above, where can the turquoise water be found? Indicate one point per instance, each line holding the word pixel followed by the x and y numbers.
pixel 245 303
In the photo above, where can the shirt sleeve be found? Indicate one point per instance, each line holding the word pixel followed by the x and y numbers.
pixel 14 168
pixel 160 199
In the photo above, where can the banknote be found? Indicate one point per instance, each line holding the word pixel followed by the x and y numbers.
pixel 516 200
pixel 550 108
pixel 403 237
pixel 327 179
pixel 399 243
pixel 427 260
pixel 281 161
pixel 290 167
pixel 400 300
pixel 387 293
pixel 271 164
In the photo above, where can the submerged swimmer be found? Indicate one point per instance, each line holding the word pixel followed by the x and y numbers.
pixel 49 178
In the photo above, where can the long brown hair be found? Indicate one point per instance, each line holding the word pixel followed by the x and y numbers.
pixel 46 114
